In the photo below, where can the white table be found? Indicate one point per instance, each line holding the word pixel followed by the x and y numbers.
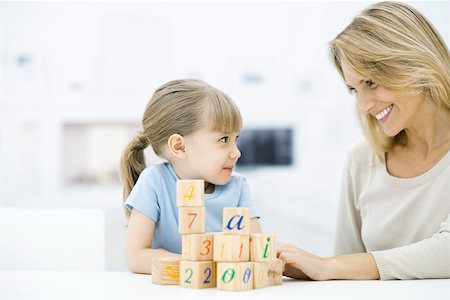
pixel 123 285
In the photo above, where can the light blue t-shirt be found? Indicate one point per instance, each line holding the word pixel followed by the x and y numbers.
pixel 154 194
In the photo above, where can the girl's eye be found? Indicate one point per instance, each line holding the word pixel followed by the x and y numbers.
pixel 224 139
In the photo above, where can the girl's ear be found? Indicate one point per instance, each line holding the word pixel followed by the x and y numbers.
pixel 176 145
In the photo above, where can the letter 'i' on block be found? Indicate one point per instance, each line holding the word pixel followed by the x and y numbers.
pixel 231 248
pixel 190 193
pixel 166 270
pixel 197 246
pixel 236 220
pixel 268 273
pixel 191 220
pixel 262 247
pixel 236 276
pixel 197 274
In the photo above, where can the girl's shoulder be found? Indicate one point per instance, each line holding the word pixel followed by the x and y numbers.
pixel 157 172
pixel 237 177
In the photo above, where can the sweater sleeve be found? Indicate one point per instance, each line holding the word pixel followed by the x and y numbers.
pixel 348 229
pixel 429 258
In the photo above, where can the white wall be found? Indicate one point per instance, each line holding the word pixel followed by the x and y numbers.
pixel 100 62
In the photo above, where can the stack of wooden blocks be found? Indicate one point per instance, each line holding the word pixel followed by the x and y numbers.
pixel 233 260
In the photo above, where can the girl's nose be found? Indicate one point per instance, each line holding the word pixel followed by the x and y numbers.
pixel 235 153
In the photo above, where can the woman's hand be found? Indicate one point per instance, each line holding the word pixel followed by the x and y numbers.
pixel 304 265
pixel 301 264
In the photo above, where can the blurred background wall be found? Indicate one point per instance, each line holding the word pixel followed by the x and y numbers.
pixel 75 78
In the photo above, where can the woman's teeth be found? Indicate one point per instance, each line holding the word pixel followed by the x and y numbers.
pixel 384 112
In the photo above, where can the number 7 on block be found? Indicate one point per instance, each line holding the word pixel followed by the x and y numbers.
pixel 191 220
pixel 190 193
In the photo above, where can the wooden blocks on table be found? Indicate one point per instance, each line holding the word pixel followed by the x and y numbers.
pixel 197 270
pixel 197 274
pixel 236 276
pixel 231 248
pixel 222 258
pixel 166 270
pixel 236 220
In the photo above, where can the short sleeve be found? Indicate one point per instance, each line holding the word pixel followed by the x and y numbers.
pixel 143 196
pixel 246 199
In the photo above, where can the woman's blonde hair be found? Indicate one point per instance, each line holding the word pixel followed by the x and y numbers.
pixel 177 107
pixel 394 45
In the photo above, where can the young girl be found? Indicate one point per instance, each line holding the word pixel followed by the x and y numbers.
pixel 195 128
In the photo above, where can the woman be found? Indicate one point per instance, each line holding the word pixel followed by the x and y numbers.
pixel 394 213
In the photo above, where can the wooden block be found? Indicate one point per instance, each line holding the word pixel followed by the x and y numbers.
pixel 236 220
pixel 197 274
pixel 190 193
pixel 262 247
pixel 236 276
pixel 197 246
pixel 231 248
pixel 277 265
pixel 191 220
pixel 268 273
pixel 166 270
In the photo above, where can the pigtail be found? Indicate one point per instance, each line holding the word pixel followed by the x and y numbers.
pixel 132 164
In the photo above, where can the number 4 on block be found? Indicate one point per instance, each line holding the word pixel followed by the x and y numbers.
pixel 190 193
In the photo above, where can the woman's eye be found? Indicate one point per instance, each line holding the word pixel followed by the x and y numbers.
pixel 224 139
pixel 352 90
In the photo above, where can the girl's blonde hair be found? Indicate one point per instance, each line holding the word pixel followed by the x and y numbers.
pixel 394 45
pixel 177 107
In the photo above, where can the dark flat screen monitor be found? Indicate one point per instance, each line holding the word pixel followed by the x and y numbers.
pixel 266 147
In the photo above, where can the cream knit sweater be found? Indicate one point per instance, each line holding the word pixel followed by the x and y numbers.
pixel 404 223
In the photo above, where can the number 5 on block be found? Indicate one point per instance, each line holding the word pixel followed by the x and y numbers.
pixel 190 193
pixel 191 220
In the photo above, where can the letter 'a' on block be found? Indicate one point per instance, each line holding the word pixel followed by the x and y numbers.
pixel 235 276
pixel 166 270
pixel 197 246
pixel 268 273
pixel 231 248
pixel 197 274
pixel 191 220
pixel 236 220
pixel 262 247
pixel 190 193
